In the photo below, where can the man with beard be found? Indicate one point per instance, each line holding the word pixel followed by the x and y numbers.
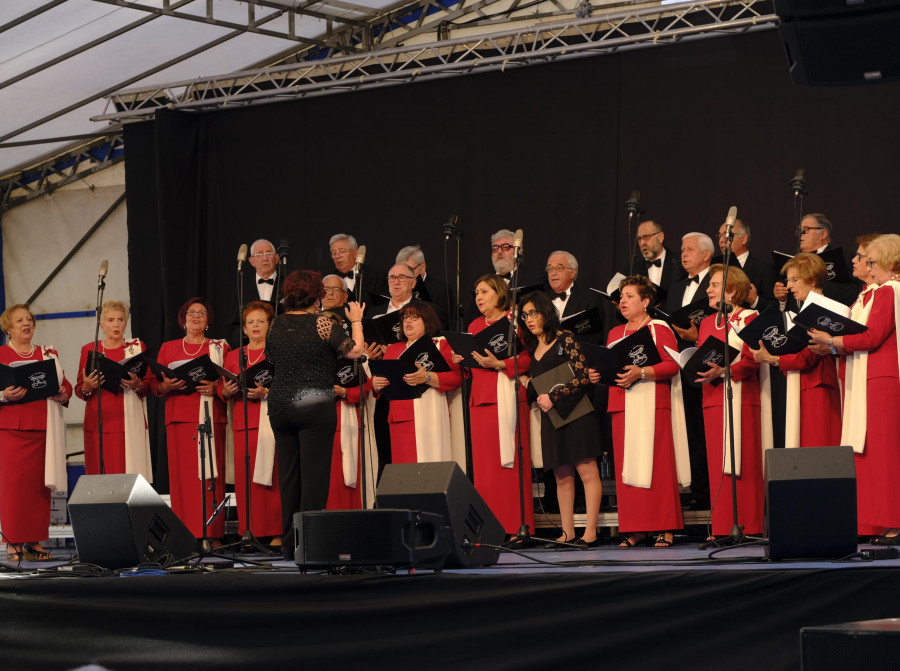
pixel 655 260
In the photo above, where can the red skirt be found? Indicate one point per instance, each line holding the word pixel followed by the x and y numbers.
pixel 265 502
pixel 659 507
pixel 498 486
pixel 24 499
pixel 877 493
pixel 340 496
pixel 113 452
pixel 820 417
pixel 184 477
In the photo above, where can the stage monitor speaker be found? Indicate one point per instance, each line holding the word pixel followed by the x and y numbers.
pixel 120 521
pixel 787 10
pixel 872 645
pixel 858 48
pixel 332 538
pixel 810 503
pixel 443 488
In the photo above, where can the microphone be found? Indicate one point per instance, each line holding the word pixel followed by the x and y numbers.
pixel 517 245
pixel 729 224
pixel 633 204
pixel 360 257
pixel 283 251
pixel 450 227
pixel 242 256
pixel 722 306
pixel 104 267
pixel 798 184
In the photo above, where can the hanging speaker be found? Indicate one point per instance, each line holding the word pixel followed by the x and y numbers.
pixel 443 488
pixel 810 503
pixel 830 43
pixel 120 521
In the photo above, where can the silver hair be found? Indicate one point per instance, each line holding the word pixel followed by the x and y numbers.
pixel 260 241
pixel 502 233
pixel 343 236
pixel 338 277
pixel 573 262
pixel 413 252
pixel 705 242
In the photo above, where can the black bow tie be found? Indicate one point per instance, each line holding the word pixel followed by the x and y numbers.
pixel 657 263
pixel 563 296
pixel 508 276
pixel 349 274
pixel 263 281
pixel 695 278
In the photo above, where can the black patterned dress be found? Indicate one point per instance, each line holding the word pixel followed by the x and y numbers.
pixel 577 440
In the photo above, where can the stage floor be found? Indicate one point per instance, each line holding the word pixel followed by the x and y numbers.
pixel 640 608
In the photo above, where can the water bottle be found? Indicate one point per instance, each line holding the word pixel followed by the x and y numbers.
pixel 605 471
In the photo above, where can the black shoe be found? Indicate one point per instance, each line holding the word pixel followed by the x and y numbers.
pixel 584 545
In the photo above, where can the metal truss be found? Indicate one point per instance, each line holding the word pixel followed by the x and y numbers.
pixel 527 45
pixel 77 163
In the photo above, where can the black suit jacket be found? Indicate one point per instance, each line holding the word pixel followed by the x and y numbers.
pixel 436 293
pixel 581 299
pixel 672 270
pixel 676 294
pixel 234 335
pixel 374 281
pixel 763 277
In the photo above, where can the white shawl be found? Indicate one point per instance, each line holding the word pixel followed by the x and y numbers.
pixel 55 474
pixel 432 423
pixel 216 356
pixel 137 435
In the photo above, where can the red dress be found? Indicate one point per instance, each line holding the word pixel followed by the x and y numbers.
pixel 402 414
pixel 499 486
pixel 877 494
pixel 659 507
pixel 340 496
pixel 113 415
pixel 265 501
pixel 182 445
pixel 749 485
pixel 24 498
pixel 820 397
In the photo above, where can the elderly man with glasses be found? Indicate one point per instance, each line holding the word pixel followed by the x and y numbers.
pixel 258 285
pixel 344 250
pixel 571 299
pixel 654 260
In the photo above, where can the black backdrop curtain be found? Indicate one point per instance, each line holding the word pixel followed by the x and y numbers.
pixel 553 149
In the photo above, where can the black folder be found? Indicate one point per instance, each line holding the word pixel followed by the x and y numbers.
pixel 770 327
pixel 583 323
pixel 557 377
pixel 699 358
pixel 38 378
pixel 814 316
pixel 494 338
pixel 637 349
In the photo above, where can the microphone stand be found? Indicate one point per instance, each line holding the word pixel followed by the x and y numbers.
pixel 95 368
pixel 633 208
pixel 524 534
pixel 798 185
pixel 279 280
pixel 459 324
pixel 204 431
pixel 249 543
pixel 737 530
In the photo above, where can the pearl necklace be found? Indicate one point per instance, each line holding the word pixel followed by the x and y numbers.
pixel 24 356
pixel 646 319
pixel 253 363
pixel 184 347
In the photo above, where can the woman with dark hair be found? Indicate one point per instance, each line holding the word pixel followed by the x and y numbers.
pixel 304 348
pixel 813 406
pixel 256 434
pixel 126 440
pixel 420 427
pixel 871 422
pixel 492 414
pixel 186 408
pixel 749 440
pixel 32 444
pixel 645 403
pixel 573 447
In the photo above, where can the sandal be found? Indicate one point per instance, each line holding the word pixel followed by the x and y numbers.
pixel 36 554
pixel 663 542
pixel 634 540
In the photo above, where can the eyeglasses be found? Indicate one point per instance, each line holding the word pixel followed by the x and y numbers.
pixel 859 257
pixel 557 269
pixel 646 238
pixel 339 252
pixel 411 318
pixel 803 230
pixel 262 255
pixel 530 315
pixel 329 290
pixel 398 278
pixel 196 313
pixel 871 264
pixel 505 247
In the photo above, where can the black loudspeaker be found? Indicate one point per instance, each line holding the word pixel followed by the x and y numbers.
pixel 810 503
pixel 873 645
pixel 443 488
pixel 832 45
pixel 120 521
pixel 332 538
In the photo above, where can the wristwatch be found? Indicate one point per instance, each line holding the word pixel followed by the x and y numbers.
pixel 428 378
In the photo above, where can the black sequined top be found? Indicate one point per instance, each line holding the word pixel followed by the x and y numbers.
pixel 304 350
